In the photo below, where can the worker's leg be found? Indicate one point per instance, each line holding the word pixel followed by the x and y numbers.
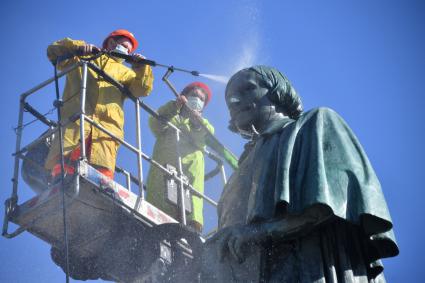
pixel 70 160
pixel 105 171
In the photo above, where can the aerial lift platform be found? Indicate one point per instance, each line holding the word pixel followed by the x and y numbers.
pixel 98 228
pixel 112 233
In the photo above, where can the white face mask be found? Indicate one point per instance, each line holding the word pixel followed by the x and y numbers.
pixel 195 103
pixel 121 49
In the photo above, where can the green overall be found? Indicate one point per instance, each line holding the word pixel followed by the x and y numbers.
pixel 165 152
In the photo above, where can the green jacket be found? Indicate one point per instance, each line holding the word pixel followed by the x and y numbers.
pixel 165 152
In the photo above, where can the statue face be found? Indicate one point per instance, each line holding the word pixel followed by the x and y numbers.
pixel 247 101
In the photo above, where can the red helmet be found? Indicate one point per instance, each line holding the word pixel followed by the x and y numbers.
pixel 125 33
pixel 200 85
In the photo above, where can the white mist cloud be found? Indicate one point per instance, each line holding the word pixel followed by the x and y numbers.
pixel 248 46
pixel 246 58
pixel 246 42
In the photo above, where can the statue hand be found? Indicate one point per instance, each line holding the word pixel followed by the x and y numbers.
pixel 235 241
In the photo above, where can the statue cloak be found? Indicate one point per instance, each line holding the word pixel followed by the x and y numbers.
pixel 313 161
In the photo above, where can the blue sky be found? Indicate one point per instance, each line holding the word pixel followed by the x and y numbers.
pixel 364 59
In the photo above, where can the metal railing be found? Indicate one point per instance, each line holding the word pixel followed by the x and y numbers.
pixel 24 106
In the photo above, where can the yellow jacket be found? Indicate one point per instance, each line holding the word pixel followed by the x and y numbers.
pixel 104 102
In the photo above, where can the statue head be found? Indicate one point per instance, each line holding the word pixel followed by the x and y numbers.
pixel 257 96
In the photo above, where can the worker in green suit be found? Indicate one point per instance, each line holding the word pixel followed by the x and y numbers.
pixel 192 141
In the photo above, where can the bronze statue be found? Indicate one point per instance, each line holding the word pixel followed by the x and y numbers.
pixel 305 204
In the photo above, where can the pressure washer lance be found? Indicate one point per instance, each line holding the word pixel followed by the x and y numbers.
pixel 144 61
pixel 213 141
pixel 129 59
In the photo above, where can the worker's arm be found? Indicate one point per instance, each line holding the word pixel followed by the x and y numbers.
pixel 139 80
pixel 168 112
pixel 199 133
pixel 62 48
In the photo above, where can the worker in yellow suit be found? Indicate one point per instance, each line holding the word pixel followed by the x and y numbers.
pixel 104 102
pixel 192 141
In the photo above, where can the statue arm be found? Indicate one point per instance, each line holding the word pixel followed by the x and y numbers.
pixel 235 240
pixel 294 225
